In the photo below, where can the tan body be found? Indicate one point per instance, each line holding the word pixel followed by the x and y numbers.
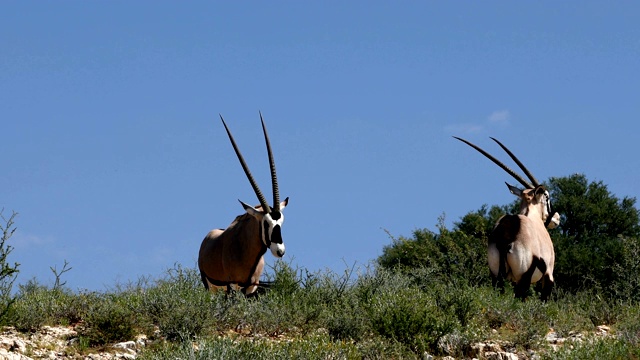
pixel 520 248
pixel 522 245
pixel 234 255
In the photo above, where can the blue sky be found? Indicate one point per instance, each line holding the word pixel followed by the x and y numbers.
pixel 115 157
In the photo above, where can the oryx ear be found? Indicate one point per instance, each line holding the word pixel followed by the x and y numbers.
pixel 283 204
pixel 250 209
pixel 514 190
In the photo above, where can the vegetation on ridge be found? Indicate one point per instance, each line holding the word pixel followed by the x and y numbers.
pixel 426 293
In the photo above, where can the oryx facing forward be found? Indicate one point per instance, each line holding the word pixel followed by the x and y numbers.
pixel 234 256
pixel 520 248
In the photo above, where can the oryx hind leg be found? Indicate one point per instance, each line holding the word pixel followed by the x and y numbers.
pixel 546 283
pixel 547 286
pixel 523 286
pixel 250 291
pixel 212 287
pixel 503 266
pixel 497 268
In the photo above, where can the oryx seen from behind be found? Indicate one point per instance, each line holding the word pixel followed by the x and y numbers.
pixel 520 248
pixel 234 256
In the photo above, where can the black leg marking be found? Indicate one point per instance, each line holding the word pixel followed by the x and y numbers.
pixel 547 286
pixel 522 287
pixel 498 282
pixel 542 266
pixel 502 237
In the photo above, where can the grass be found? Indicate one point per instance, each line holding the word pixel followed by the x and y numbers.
pixel 368 313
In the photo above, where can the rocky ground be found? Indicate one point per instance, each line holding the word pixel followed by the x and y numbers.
pixel 62 342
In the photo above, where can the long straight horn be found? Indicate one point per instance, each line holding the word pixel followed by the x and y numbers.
pixel 504 167
pixel 256 189
pixel 515 159
pixel 272 165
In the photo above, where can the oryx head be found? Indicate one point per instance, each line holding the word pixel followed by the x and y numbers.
pixel 534 195
pixel 270 218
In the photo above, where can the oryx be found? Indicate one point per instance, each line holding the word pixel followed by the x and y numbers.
pixel 520 248
pixel 234 256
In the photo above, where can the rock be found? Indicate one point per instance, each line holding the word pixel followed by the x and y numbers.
pixel 603 330
pixel 141 340
pixel 59 342
pixel 127 345
pixel 6 355
pixel 477 350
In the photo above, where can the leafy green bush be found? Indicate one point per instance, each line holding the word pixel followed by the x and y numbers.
pixel 447 254
pixel 410 316
pixel 598 349
pixel 316 346
pixel 179 305
pixel 598 238
pixel 39 305
pixel 8 272
pixel 628 324
pixel 109 321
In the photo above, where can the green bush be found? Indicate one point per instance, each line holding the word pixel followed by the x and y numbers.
pixel 8 272
pixel 313 347
pixel 410 316
pixel 179 305
pixel 598 349
pixel 108 321
pixel 594 221
pixel 628 325
pixel 37 305
pixel 447 254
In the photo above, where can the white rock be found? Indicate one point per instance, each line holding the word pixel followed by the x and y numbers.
pixel 509 356
pixel 125 345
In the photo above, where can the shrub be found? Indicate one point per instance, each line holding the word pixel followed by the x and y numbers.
pixel 447 254
pixel 410 316
pixel 8 272
pixel 37 305
pixel 178 305
pixel 595 350
pixel 594 221
pixel 313 347
pixel 108 321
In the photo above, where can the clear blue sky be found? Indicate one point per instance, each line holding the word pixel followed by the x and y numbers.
pixel 115 157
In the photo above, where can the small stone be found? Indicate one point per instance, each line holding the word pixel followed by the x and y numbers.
pixel 125 345
pixel 141 340
pixel 603 330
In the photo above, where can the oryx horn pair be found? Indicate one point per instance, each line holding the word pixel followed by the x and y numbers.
pixel 274 179
pixel 529 185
